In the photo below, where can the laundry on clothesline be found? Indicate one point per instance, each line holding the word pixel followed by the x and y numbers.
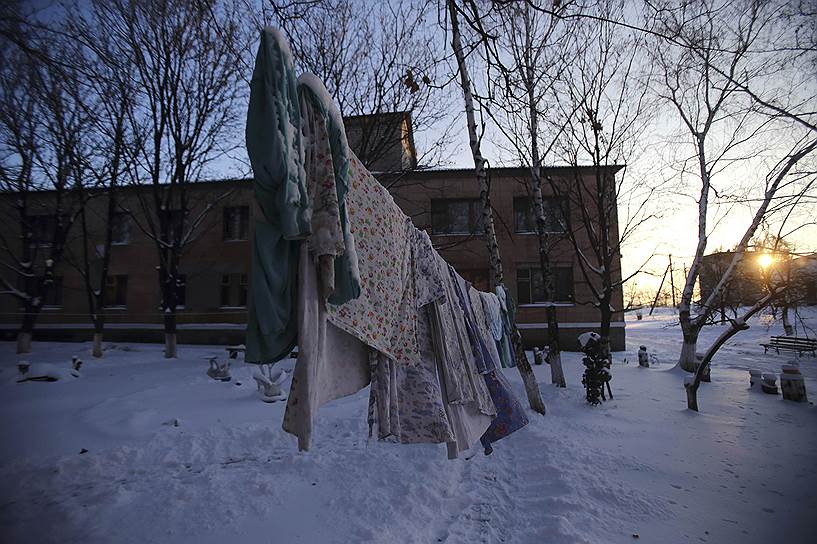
pixel 339 269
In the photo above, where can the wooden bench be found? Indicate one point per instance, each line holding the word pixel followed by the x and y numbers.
pixel 791 343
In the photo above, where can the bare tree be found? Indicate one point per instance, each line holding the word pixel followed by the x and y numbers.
pixel 524 56
pixel 42 129
pixel 523 365
pixel 187 67
pixel 112 148
pixel 605 110
pixel 731 49
pixel 378 59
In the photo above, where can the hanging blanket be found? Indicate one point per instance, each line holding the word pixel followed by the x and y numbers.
pixel 331 363
pixel 507 308
pixel 276 155
pixel 385 314
pixel 327 157
pixel 406 402
pixel 510 413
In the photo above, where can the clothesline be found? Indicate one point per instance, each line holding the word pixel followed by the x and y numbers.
pixel 341 270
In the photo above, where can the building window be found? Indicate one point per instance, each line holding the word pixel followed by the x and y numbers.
pixel 53 297
pixel 175 224
pixel 41 229
pixel 120 229
pixel 456 216
pixel 233 290
pixel 50 299
pixel 525 218
pixel 181 290
pixel 116 291
pixel 479 278
pixel 236 223
pixel 530 287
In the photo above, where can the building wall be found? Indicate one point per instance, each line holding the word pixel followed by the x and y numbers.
pixel 209 257
pixel 466 254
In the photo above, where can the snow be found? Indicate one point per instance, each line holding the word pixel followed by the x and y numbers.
pixel 173 456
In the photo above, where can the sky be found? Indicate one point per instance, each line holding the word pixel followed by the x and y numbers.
pixel 673 231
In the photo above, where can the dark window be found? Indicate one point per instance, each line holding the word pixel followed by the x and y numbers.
pixel 477 277
pixel 51 297
pixel 236 223
pixel 181 290
pixel 234 290
pixel 116 290
pixel 175 224
pixel 811 292
pixel 530 287
pixel 120 228
pixel 525 216
pixel 456 216
pixel 41 229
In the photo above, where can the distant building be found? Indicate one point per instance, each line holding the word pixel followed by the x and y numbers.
pixel 749 281
pixel 215 271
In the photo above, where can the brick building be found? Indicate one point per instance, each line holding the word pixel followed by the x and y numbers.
pixel 215 269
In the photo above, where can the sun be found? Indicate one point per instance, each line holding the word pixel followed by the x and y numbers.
pixel 765 260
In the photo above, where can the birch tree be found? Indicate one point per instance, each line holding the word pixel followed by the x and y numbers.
pixel 605 112
pixel 524 56
pixel 730 50
pixel 523 365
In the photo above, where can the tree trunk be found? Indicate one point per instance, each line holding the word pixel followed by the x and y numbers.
pixel 737 326
pixel 687 359
pixel 692 394
pixel 523 365
pixel 99 328
pixel 526 372
pixel 690 331
pixel 170 345
pixel 557 375
pixel 26 331
pixel 97 348
pixel 554 349
pixel 23 342
pixel 787 326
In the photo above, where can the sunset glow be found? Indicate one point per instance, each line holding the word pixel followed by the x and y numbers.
pixel 765 260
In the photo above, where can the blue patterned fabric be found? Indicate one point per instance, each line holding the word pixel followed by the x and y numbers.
pixel 484 361
pixel 510 416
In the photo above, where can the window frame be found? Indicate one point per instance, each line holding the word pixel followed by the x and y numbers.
pixel 551 203
pixel 35 227
pixel 240 222
pixel 125 218
pixel 113 303
pixel 475 220
pixel 530 293
pixel 236 289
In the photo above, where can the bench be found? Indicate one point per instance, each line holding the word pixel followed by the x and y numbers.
pixel 791 343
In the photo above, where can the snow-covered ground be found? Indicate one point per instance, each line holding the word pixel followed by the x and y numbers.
pixel 173 456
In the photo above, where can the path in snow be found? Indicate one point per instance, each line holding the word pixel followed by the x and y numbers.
pixel 742 470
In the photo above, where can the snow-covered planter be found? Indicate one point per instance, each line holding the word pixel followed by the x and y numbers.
pixel 755 379
pixel 219 371
pixel 769 383
pixel 269 383
pixel 792 384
